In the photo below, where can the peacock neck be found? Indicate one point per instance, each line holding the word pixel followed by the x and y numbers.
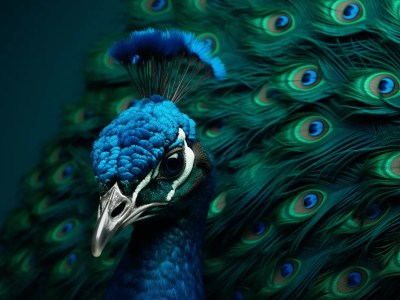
pixel 162 261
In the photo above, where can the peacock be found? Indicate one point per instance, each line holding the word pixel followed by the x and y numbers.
pixel 278 177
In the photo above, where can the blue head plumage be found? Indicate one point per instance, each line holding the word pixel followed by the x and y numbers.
pixel 135 141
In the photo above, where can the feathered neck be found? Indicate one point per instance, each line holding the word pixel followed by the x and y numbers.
pixel 164 257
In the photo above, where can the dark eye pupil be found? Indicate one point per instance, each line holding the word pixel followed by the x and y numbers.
pixel 281 22
pixel 259 228
pixel 67 227
pixel 309 78
pixel 173 165
pixel 310 201
pixel 351 11
pixel 158 4
pixel 373 211
pixel 67 171
pixel 71 259
pixel 348 10
pixel 287 269
pixel 316 128
pixel 354 279
pixel 386 85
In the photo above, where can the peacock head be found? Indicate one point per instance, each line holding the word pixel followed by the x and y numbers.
pixel 148 159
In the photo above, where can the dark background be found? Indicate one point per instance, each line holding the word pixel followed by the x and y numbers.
pixel 42 53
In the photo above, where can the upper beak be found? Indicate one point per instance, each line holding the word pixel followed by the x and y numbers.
pixel 116 211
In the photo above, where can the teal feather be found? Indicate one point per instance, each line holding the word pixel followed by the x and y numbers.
pixel 304 132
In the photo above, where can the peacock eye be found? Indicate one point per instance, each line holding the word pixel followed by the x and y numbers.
pixel 374 211
pixel 285 272
pixel 259 228
pixel 158 4
pixel 386 85
pixel 310 200
pixel 287 269
pixel 348 11
pixel 173 164
pixel 354 279
pixel 351 280
pixel 382 85
pixel 316 128
pixel 305 205
pixel 279 23
pixel 282 22
pixel 309 77
pixel 351 11
pixel 305 77
pixel 313 129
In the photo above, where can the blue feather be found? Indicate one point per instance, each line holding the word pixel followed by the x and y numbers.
pixel 150 44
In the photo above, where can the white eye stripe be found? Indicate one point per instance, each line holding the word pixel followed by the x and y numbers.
pixel 189 160
pixel 141 186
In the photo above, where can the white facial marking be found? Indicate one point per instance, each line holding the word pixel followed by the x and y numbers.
pixel 189 160
pixel 141 186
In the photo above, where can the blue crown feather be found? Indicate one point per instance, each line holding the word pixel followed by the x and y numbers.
pixel 166 62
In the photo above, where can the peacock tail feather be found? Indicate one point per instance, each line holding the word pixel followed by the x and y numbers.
pixel 305 133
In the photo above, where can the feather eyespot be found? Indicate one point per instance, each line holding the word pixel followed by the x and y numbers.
pixel 351 281
pixel 201 106
pixel 285 272
pixel 313 129
pixel 266 95
pixel 256 232
pixel 374 211
pixel 241 293
pixel 210 40
pixel 308 203
pixel 156 6
pixel 124 104
pixel 370 216
pixel 67 264
pixel 63 173
pixel 301 207
pixel 348 11
pixel 82 115
pixel 108 61
pixel 217 205
pixel 42 206
pixel 37 179
pixel 383 85
pixel 111 256
pixel 238 295
pixel 305 78
pixel 65 229
pixel 200 4
pixel 279 23
pixel 214 129
pixel 387 165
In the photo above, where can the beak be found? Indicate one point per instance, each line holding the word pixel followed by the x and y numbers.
pixel 117 211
